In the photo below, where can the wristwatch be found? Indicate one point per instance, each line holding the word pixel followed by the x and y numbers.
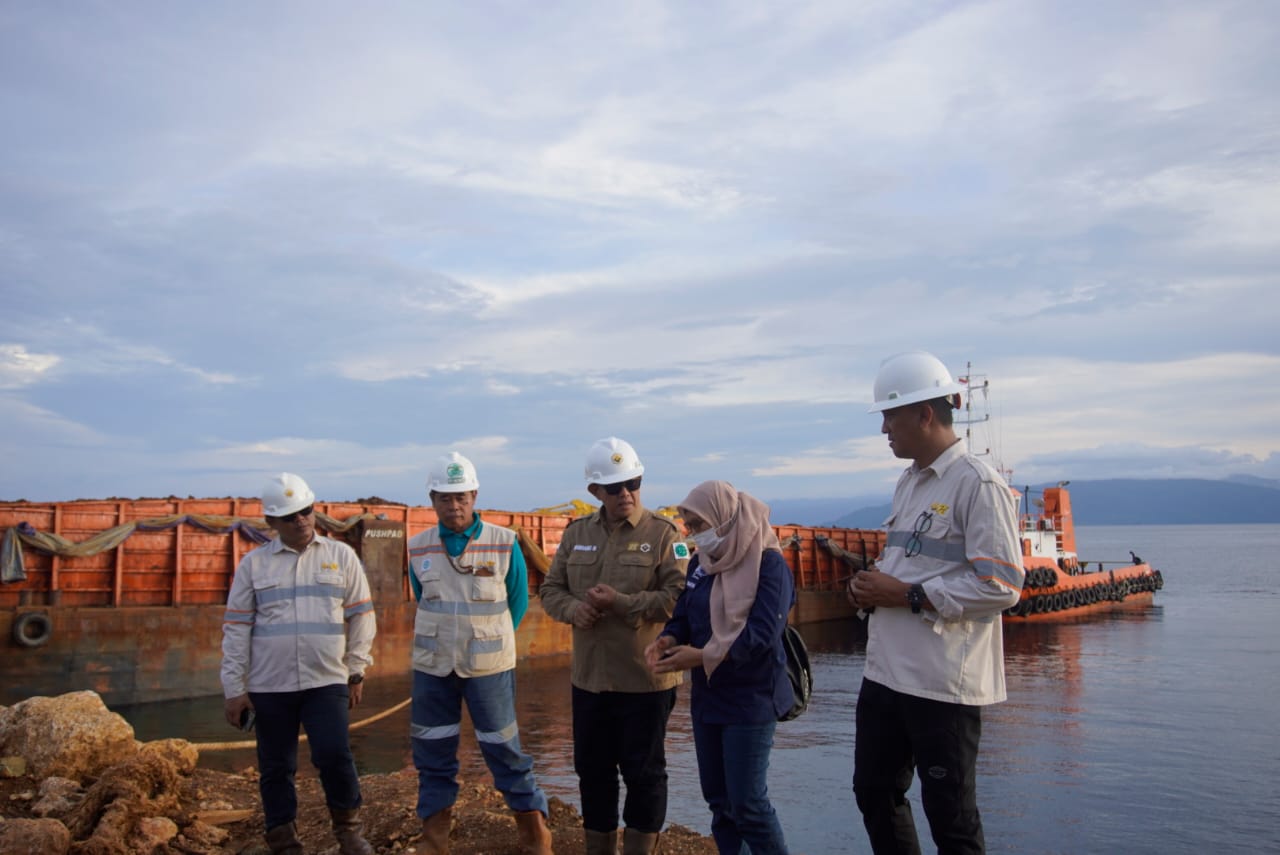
pixel 355 679
pixel 916 598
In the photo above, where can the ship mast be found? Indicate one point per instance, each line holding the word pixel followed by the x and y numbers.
pixel 978 384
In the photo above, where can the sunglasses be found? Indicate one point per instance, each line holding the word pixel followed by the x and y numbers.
pixel 614 489
pixel 305 512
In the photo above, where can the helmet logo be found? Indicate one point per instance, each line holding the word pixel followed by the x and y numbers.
pixel 616 458
pixel 454 472
pixel 289 493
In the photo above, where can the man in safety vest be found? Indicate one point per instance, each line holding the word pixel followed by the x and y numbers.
pixel 950 566
pixel 296 641
pixel 616 576
pixel 472 588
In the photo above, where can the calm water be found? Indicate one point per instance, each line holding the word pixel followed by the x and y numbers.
pixel 1151 730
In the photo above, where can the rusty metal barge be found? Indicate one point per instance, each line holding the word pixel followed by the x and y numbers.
pixel 126 597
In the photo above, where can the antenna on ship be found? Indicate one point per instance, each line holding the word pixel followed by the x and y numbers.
pixel 978 384
pixel 974 384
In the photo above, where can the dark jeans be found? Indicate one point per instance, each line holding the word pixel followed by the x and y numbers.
pixel 896 732
pixel 627 732
pixel 322 712
pixel 733 765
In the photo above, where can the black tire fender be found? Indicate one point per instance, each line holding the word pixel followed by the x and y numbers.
pixel 32 629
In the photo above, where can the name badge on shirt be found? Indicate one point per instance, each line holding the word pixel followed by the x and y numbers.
pixel 584 547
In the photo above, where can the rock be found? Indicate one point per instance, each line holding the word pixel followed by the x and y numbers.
pixel 151 835
pixel 13 767
pixel 198 836
pixel 57 796
pixel 147 784
pixel 71 736
pixel 182 754
pixel 34 837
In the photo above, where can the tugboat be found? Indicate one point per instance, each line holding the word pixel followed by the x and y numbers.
pixel 1058 583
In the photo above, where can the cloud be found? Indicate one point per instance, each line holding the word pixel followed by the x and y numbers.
pixel 700 227
pixel 19 367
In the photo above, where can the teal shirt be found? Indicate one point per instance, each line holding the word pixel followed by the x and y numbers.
pixel 517 576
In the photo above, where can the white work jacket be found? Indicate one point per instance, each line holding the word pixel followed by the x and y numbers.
pixel 953 530
pixel 297 620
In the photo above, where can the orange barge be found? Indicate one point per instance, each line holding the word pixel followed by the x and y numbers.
pixel 126 597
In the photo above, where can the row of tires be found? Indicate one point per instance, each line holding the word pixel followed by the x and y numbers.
pixel 1041 577
pixel 1087 595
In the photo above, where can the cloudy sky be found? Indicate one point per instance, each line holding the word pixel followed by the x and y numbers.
pixel 339 239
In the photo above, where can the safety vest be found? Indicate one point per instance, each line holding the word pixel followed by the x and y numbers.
pixel 463 622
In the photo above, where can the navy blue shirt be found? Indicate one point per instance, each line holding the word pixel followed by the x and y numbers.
pixel 750 686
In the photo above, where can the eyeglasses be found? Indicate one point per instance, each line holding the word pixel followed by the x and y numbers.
pixel 614 489
pixel 305 512
pixel 922 525
pixel 460 566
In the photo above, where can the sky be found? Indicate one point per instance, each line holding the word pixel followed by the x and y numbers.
pixel 342 239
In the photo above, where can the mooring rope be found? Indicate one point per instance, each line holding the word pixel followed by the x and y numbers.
pixel 250 743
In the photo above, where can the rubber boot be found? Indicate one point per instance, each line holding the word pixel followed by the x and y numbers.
pixel 283 840
pixel 435 832
pixel 600 842
pixel 350 832
pixel 535 839
pixel 639 842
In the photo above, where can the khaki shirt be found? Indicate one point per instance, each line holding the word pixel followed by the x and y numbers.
pixel 638 558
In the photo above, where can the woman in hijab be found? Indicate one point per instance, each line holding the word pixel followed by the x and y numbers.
pixel 727 628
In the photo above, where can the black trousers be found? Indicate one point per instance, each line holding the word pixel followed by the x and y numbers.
pixel 899 733
pixel 322 713
pixel 622 732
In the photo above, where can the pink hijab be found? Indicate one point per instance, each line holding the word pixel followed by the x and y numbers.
pixel 743 522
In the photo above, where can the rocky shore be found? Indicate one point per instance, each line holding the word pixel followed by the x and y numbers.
pixel 74 781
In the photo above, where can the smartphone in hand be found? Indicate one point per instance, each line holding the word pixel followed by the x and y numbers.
pixel 247 718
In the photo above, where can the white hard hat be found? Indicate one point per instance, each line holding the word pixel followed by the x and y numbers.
pixel 452 473
pixel 284 494
pixel 911 377
pixel 612 460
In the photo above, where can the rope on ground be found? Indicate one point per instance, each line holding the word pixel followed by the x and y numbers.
pixel 250 743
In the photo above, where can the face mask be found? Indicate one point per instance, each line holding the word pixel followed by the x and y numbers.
pixel 707 539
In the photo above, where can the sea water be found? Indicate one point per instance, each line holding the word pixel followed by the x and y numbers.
pixel 1151 729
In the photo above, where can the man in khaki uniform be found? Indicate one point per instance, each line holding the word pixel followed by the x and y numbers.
pixel 616 576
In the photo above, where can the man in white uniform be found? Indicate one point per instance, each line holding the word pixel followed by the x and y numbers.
pixel 951 565
pixel 296 641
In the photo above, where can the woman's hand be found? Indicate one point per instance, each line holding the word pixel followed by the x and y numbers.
pixel 657 649
pixel 680 657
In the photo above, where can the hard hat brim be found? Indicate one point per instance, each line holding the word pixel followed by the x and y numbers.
pixel 917 397
pixel 615 477
pixel 454 488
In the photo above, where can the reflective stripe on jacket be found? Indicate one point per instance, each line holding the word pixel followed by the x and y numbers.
pixel 463 623
pixel 296 620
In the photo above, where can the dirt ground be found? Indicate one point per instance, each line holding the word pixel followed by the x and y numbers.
pixel 482 823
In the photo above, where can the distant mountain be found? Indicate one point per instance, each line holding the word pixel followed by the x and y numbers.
pixel 1173 501
pixel 869 517
pixel 1274 483
pixel 814 512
